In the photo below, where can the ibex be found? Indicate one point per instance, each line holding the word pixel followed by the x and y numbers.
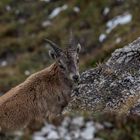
pixel 43 94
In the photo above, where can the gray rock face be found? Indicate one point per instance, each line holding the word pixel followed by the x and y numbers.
pixel 113 86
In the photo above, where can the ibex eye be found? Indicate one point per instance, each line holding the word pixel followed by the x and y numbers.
pixel 58 98
pixel 62 67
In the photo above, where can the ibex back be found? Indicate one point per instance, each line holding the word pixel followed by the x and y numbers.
pixel 45 93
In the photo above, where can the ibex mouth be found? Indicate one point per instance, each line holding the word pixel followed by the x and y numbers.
pixel 76 81
pixel 75 78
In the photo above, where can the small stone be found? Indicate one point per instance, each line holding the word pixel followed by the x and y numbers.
pixel 78 121
pixel 98 139
pixel 8 8
pixel 108 125
pixel 38 138
pixel 62 131
pixel 46 23
pixel 99 126
pixel 4 63
pixel 88 133
pixel 66 122
pixel 67 137
pixel 102 37
pixel 27 72
pixel 48 128
pixel 89 123
pixel 118 40
pixel 53 135
pixel 76 9
pixel 75 134
pixel 106 11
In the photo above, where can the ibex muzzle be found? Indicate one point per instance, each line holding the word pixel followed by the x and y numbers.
pixel 43 94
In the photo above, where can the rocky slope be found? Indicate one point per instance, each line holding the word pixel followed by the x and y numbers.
pixel 113 86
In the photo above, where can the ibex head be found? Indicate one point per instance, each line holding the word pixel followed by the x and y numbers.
pixel 67 59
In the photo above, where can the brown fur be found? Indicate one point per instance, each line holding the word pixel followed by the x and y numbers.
pixel 43 94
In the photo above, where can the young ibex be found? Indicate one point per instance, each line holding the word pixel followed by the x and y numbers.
pixel 43 94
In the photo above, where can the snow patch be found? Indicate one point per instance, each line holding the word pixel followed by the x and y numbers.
pixel 119 20
pixel 102 37
pixel 57 10
pixel 88 133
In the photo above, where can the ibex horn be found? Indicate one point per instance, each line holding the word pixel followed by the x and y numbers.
pixel 54 46
pixel 72 41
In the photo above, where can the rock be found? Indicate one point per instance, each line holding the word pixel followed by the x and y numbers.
pixel 108 125
pixel 48 128
pixel 78 121
pixel 75 134
pixel 38 138
pixel 112 87
pixel 66 122
pixel 67 137
pixel 98 126
pixel 88 133
pixel 53 135
pixel 98 139
pixel 89 123
pixel 62 131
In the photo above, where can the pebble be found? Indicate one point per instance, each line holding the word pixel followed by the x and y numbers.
pixel 39 138
pixel 88 133
pixel 53 135
pixel 78 121
pixel 66 122
pixel 108 125
pixel 67 137
pixel 99 126
pixel 75 134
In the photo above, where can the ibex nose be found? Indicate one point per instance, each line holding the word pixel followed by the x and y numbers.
pixel 75 78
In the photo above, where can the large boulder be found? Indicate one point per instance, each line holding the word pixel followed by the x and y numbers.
pixel 113 86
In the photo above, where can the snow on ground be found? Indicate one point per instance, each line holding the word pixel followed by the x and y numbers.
pixel 113 23
pixel 119 20
pixel 57 10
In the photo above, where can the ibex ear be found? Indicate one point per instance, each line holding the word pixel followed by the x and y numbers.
pixel 78 47
pixel 55 51
pixel 52 54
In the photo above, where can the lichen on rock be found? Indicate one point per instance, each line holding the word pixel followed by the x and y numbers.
pixel 113 86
